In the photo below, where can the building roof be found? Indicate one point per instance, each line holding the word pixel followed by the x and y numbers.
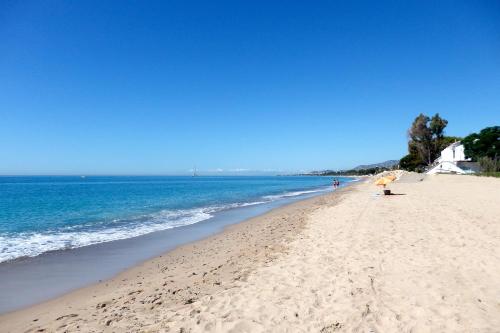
pixel 455 144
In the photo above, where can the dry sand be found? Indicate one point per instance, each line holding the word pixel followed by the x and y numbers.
pixel 354 261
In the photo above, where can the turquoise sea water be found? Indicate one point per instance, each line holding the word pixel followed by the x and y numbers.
pixel 40 214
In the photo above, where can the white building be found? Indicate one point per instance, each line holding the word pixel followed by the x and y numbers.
pixel 453 160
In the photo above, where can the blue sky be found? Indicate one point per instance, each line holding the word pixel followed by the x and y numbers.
pixel 130 87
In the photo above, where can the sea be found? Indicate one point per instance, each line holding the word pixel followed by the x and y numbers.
pixel 39 214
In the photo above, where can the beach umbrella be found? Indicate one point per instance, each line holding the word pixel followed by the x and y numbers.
pixel 384 181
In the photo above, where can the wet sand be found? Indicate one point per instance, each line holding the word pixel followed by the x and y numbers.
pixel 175 278
pixel 426 260
pixel 28 281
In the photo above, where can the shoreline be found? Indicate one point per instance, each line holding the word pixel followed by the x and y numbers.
pixel 222 251
pixel 63 271
pixel 160 211
pixel 352 260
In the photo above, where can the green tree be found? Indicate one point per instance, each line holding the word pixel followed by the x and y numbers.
pixel 412 161
pixel 421 137
pixel 445 141
pixel 489 164
pixel 425 141
pixel 437 126
pixel 427 135
pixel 486 143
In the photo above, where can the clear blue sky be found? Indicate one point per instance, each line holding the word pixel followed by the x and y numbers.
pixel 145 87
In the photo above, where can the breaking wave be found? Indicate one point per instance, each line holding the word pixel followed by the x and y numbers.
pixel 31 244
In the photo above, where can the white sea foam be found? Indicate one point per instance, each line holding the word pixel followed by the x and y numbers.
pixel 33 244
pixel 294 194
pixel 14 246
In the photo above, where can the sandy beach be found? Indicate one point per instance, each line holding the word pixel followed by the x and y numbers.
pixel 424 260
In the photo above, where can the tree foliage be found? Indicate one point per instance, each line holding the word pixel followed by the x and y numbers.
pixel 445 141
pixel 437 126
pixel 486 143
pixel 425 141
pixel 489 164
pixel 412 161
pixel 355 172
pixel 421 138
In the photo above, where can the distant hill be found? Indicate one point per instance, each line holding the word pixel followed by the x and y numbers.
pixel 365 169
pixel 386 164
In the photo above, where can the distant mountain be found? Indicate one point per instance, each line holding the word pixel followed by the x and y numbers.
pixel 359 170
pixel 386 164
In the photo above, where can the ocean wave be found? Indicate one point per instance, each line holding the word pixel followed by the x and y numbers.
pixel 295 193
pixel 31 244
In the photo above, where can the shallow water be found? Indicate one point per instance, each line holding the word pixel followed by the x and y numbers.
pixel 30 280
pixel 41 214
